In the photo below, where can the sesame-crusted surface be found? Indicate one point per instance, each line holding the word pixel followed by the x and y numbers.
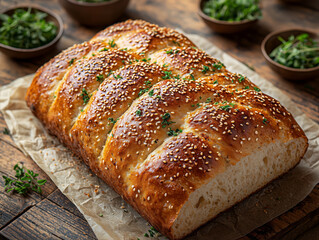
pixel 153 116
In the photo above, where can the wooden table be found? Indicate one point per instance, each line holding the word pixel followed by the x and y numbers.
pixel 53 216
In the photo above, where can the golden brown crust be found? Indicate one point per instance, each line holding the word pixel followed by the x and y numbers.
pixel 153 116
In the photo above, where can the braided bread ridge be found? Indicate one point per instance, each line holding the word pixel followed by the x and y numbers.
pixel 164 124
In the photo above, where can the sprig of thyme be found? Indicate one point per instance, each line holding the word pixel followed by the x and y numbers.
pixel 25 181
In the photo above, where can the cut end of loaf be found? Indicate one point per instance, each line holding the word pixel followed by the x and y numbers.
pixel 236 183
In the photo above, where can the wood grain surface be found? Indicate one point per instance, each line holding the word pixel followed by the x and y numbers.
pixel 52 216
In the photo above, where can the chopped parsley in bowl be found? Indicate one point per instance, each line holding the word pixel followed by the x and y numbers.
pixel 232 10
pixel 26 29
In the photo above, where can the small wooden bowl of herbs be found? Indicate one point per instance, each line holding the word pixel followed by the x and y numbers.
pixel 294 54
pixel 95 13
pixel 29 31
pixel 230 16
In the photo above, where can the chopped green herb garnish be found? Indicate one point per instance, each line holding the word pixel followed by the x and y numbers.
pixel 85 95
pixel 25 181
pixel 215 82
pixel 168 75
pixel 151 93
pixel 117 76
pixel 174 133
pixel 227 107
pixel 192 77
pixel 247 87
pixel 112 120
pixel 205 69
pixel 112 44
pixel 99 78
pixel 264 120
pixel 241 78
pixel 104 49
pixel 147 83
pixel 6 131
pixel 257 89
pixel 101 215
pixel 169 52
pixel 218 65
pixel 165 121
pixel 142 91
pixel 138 112
pixel 71 61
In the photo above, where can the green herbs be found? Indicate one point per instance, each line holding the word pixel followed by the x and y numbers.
pixel 241 78
pixel 112 44
pixel 103 49
pixel 152 232
pixel 265 121
pixel 227 106
pixel 151 93
pixel 85 95
pixel 205 69
pixel 167 75
pixel 25 29
pixel 25 181
pixel 138 112
pixel 192 77
pixel 112 120
pixel 257 89
pixel 297 52
pixel 171 132
pixel 232 10
pixel 169 51
pixel 117 76
pixel 71 61
pixel 166 121
pixel 218 65
pixel 100 78
pixel 6 131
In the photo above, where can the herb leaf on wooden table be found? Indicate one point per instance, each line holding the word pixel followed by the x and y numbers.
pixel 25 181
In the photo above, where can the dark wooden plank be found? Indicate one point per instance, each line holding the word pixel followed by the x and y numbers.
pixel 45 220
pixel 58 198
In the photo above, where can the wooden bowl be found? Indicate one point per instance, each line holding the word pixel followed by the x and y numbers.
pixel 271 42
pixel 22 53
pixel 95 14
pixel 224 26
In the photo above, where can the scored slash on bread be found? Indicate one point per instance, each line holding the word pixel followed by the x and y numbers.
pixel 164 124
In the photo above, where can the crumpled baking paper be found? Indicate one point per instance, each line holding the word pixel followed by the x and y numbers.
pixel 119 221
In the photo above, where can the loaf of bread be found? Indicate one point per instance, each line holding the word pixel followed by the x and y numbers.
pixel 178 136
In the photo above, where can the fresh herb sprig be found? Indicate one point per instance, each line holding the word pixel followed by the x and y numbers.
pixel 25 29
pixel 297 52
pixel 25 181
pixel 232 10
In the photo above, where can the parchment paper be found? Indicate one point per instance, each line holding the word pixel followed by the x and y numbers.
pixel 119 221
